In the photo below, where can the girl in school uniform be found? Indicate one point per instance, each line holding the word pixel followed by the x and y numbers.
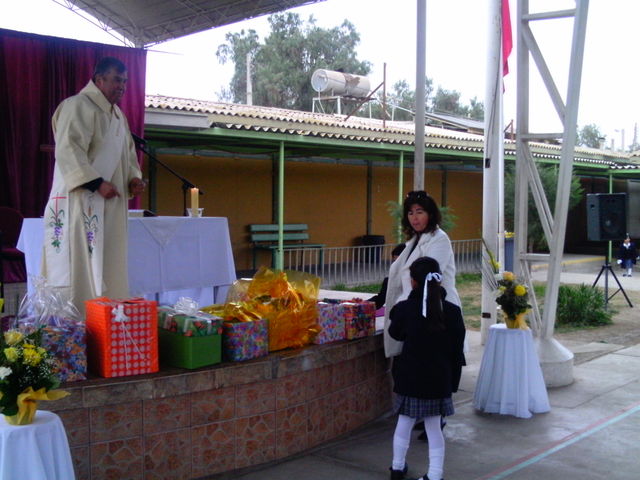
pixel 428 369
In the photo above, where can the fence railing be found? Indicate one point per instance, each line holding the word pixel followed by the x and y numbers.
pixel 358 265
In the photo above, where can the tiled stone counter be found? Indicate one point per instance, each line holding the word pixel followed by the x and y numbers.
pixel 182 424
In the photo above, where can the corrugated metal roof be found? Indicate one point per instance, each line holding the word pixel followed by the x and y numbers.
pixel 323 125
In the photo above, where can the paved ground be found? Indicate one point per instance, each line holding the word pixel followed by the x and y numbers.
pixel 591 432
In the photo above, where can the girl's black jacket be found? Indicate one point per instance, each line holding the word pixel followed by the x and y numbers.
pixel 431 361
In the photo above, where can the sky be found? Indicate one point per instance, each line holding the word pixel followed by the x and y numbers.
pixel 455 59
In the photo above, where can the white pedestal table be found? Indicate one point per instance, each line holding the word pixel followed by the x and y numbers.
pixel 510 380
pixel 36 451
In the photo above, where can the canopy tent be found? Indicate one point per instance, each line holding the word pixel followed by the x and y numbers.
pixel 147 22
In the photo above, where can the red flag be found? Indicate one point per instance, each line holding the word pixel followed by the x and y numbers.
pixel 507 41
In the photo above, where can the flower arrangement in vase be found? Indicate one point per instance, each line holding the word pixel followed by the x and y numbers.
pixel 25 376
pixel 513 297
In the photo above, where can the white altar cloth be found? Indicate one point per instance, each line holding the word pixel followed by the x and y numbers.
pixel 37 451
pixel 168 256
pixel 510 380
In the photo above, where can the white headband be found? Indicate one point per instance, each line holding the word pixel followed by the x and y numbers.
pixel 430 276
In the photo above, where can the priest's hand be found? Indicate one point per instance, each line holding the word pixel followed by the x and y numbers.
pixel 137 186
pixel 108 190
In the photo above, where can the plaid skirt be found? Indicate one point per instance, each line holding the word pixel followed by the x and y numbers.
pixel 422 407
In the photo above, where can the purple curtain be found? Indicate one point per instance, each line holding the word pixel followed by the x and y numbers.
pixel 36 73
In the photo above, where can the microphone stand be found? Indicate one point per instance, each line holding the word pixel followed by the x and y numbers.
pixel 141 144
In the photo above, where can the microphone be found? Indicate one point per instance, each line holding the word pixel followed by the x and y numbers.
pixel 138 140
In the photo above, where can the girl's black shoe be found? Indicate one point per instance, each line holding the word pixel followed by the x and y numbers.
pixel 399 474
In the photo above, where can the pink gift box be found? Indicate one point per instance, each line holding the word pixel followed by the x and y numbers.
pixel 331 322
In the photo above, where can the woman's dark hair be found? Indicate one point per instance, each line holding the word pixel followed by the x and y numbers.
pixel 419 271
pixel 107 63
pixel 429 205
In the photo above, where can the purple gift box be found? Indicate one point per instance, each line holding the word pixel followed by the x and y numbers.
pixel 245 340
pixel 331 322
pixel 66 341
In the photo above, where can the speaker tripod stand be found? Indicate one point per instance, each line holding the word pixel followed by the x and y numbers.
pixel 606 269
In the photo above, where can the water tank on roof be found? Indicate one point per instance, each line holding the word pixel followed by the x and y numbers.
pixel 338 83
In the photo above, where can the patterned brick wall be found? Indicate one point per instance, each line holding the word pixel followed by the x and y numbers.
pixel 181 424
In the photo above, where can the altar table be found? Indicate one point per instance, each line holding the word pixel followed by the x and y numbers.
pixel 36 451
pixel 169 257
pixel 510 380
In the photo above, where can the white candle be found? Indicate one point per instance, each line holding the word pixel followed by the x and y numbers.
pixel 194 200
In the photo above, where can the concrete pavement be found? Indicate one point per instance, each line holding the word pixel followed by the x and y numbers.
pixel 591 432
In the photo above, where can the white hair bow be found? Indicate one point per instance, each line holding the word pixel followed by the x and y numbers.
pixel 430 276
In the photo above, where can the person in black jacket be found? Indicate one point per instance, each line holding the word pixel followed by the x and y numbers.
pixel 381 297
pixel 627 255
pixel 428 370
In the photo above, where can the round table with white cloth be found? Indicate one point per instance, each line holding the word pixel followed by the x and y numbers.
pixel 510 380
pixel 36 451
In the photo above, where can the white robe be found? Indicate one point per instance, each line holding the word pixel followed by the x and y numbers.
pixel 435 245
pixel 85 244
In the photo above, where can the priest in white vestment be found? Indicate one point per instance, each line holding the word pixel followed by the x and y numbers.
pixel 95 174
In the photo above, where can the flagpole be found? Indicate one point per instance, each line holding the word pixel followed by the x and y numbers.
pixel 493 166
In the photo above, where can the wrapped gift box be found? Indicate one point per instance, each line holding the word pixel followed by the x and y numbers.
pixel 198 325
pixel 122 336
pixel 360 319
pixel 331 322
pixel 184 351
pixel 66 341
pixel 245 340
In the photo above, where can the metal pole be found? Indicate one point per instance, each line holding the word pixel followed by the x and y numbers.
pixel 566 167
pixel 421 40
pixel 522 122
pixel 493 152
pixel 280 251
pixel 249 85
pixel 400 191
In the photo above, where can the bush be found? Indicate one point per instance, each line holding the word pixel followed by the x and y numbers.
pixel 581 306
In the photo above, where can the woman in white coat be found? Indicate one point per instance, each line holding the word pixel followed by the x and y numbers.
pixel 420 222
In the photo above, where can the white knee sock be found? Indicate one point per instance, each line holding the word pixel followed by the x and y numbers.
pixel 436 447
pixel 401 440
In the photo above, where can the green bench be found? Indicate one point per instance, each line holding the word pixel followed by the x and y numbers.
pixel 265 237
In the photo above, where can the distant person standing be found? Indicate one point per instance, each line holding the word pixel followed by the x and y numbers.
pixel 96 171
pixel 627 255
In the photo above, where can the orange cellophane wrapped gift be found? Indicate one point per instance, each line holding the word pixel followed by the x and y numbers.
pixel 122 336
pixel 286 299
pixel 289 303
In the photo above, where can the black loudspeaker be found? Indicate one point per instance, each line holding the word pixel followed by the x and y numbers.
pixel 606 216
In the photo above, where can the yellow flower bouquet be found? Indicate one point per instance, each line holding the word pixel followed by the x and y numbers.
pixel 25 376
pixel 513 297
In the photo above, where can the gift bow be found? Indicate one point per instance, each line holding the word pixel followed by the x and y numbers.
pixel 187 306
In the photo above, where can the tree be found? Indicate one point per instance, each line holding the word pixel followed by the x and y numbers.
pixel 476 109
pixel 238 46
pixel 536 240
pixel 590 136
pixel 448 101
pixel 400 101
pixel 283 64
